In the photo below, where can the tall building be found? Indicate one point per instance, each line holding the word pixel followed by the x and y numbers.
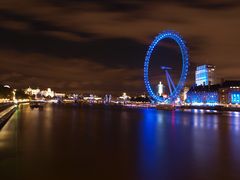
pixel 205 75
pixel 183 95
pixel 160 89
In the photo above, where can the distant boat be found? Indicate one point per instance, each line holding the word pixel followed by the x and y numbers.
pixel 36 104
pixel 168 107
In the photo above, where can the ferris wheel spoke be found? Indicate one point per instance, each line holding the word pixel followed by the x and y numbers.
pixel 171 81
pixel 169 84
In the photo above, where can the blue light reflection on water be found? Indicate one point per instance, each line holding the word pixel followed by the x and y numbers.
pixel 158 139
pixel 234 133
pixel 174 141
pixel 148 140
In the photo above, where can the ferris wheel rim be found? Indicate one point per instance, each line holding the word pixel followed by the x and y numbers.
pixel 169 34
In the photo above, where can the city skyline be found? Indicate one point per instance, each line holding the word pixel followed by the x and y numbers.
pixel 100 47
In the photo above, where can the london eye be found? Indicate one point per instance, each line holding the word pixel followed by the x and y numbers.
pixel 174 90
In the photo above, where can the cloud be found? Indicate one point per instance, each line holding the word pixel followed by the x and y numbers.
pixel 96 42
pixel 36 25
pixel 108 51
pixel 70 74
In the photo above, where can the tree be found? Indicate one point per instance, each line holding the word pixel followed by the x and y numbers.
pixel 20 94
pixel 6 92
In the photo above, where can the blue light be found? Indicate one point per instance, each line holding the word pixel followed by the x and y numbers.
pixel 235 97
pixel 185 62
pixel 202 75
pixel 202 98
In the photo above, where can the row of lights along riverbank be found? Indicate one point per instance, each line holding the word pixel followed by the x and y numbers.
pixel 206 91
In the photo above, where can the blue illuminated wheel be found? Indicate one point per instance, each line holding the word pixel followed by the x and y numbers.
pixel 185 63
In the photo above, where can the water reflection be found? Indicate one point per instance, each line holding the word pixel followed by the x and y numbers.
pixel 148 142
pixel 77 142
pixel 234 121
pixel 197 140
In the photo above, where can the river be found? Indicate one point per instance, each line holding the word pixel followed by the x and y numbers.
pixel 68 142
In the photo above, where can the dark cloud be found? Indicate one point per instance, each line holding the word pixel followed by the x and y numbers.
pixel 212 5
pixel 35 25
pixel 111 52
pixel 133 5
pixel 100 45
pixel 107 5
pixel 207 4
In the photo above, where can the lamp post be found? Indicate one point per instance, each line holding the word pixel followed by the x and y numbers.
pixel 14 96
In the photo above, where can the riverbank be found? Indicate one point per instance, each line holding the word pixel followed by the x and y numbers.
pixel 217 108
pixel 6 114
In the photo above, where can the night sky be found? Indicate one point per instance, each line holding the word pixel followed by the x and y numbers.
pixel 99 46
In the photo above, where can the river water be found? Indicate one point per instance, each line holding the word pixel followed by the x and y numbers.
pixel 68 142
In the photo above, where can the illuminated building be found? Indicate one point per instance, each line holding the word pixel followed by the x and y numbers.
pixel 183 95
pixel 203 95
pixel 92 99
pixel 60 95
pixel 229 93
pixel 205 75
pixel 235 97
pixel 224 96
pixel 31 91
pixel 47 93
pixel 108 98
pixel 160 89
pixel 226 93
pixel 124 98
